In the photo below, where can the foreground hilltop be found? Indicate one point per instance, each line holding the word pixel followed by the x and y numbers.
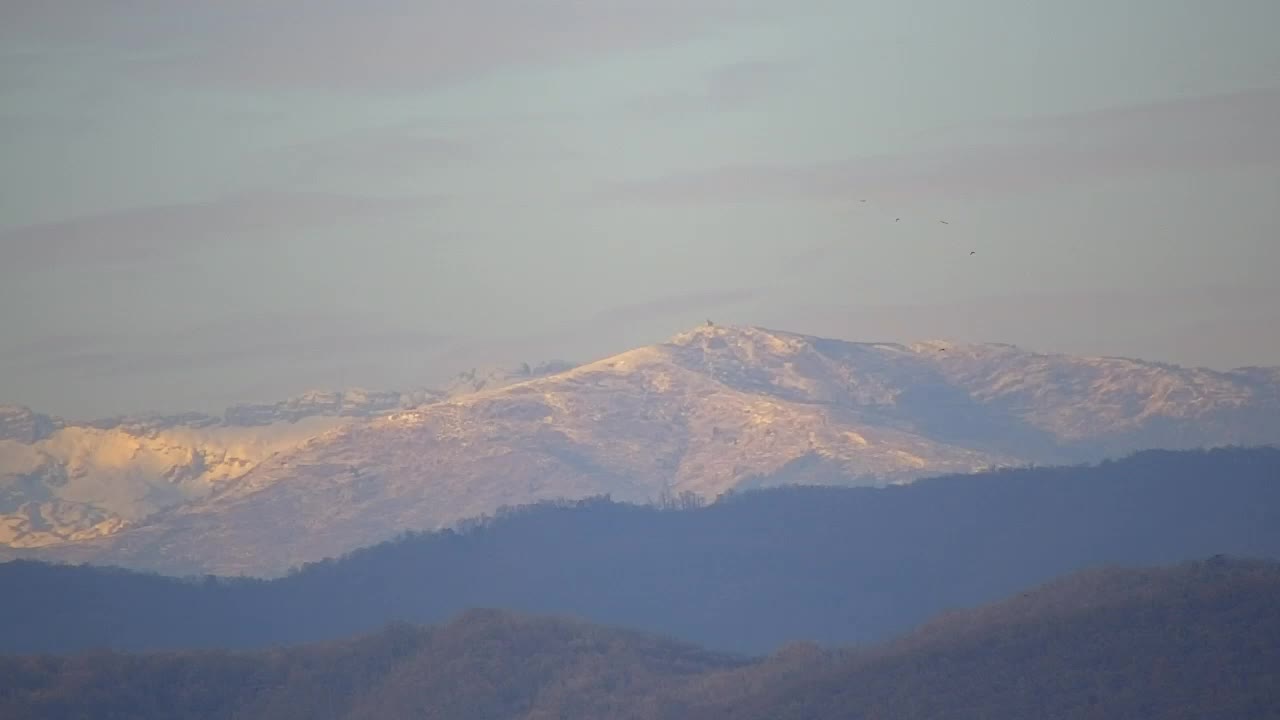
pixel 711 410
pixel 1198 640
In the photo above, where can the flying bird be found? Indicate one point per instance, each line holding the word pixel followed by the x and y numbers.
pixel 896 219
pixel 944 222
pixel 973 252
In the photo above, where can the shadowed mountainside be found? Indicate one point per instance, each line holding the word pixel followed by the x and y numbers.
pixel 1199 640
pixel 832 565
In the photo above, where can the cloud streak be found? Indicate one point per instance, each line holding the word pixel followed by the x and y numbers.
pixel 380 45
pixel 740 85
pixel 1201 134
pixel 378 152
pixel 161 233
pixel 1215 326
pixel 240 340
pixel 699 301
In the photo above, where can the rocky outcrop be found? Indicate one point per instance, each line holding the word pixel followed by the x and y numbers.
pixel 83 481
pixel 20 424
pixel 69 481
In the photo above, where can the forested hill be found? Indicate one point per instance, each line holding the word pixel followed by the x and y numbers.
pixel 483 664
pixel 745 574
pixel 1200 640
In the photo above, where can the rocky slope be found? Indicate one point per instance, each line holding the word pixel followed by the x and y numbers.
pixel 69 481
pixel 82 481
pixel 712 410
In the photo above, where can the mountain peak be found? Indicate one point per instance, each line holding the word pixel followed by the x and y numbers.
pixel 781 342
pixel 728 332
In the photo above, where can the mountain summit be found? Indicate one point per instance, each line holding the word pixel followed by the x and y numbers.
pixel 711 410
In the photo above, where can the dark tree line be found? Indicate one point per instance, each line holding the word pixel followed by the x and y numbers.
pixel 1200 640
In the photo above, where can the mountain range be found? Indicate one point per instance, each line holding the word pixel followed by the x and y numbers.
pixel 710 411
pixel 65 481
pixel 1195 640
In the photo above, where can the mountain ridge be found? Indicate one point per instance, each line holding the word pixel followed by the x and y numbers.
pixel 1193 639
pixel 745 573
pixel 68 481
pixel 713 409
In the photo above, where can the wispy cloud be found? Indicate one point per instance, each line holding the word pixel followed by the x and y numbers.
pixel 748 81
pixel 398 151
pixel 698 302
pixel 234 340
pixel 1199 134
pixel 1259 107
pixel 157 233
pixel 740 85
pixel 375 45
pixel 21 125
pixel 1215 326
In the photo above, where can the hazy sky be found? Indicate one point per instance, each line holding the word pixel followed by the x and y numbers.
pixel 206 203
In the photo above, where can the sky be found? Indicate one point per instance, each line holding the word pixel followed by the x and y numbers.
pixel 210 203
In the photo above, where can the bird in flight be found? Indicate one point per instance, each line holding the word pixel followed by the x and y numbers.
pixel 944 222
pixel 973 252
pixel 896 219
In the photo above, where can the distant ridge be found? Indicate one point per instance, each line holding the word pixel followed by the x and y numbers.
pixel 756 569
pixel 713 409
pixel 1199 639
pixel 63 480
